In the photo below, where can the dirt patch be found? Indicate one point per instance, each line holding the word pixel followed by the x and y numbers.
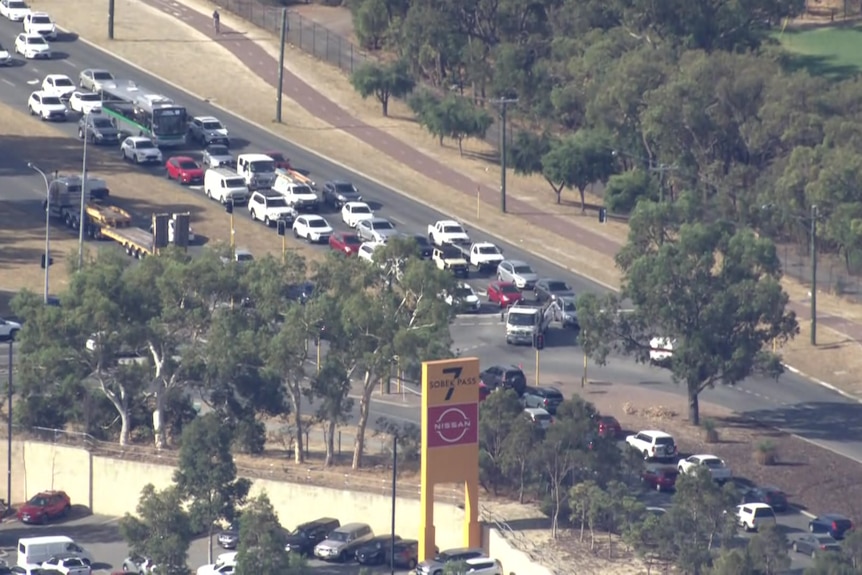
pixel 140 191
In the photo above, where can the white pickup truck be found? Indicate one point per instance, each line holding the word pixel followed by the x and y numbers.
pixel 257 170
pixel 447 232
pixel 481 255
pixel 297 194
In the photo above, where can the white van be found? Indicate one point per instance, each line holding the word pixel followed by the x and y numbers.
pixel 224 185
pixel 36 550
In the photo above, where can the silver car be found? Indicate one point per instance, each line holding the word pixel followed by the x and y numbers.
pixel 435 566
pixel 375 230
pixel 517 272
pixel 218 155
pixel 94 80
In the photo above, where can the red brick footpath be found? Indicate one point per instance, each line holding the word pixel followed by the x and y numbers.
pixel 315 103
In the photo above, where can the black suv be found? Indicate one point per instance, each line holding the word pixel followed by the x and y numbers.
pixel 338 192
pixel 548 398
pixel 303 539
pixel 504 377
pixel 98 129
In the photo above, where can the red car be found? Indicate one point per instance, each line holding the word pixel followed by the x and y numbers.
pixel 609 427
pixel 504 294
pixel 345 242
pixel 660 478
pixel 484 391
pixel 279 159
pixel 44 506
pixel 184 170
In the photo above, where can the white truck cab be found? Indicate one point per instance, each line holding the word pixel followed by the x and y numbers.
pixel 258 170
pixel 296 193
pixel 524 322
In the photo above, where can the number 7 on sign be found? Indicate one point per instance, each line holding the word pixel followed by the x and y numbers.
pixel 455 372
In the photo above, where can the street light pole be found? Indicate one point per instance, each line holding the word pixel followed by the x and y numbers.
pixel 34 167
pixel 503 103
pixel 9 436
pixel 814 275
pixel 82 216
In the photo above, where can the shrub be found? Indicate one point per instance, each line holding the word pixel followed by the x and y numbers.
pixel 710 431
pixel 766 453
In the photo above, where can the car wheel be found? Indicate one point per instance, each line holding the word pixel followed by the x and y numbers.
pixel 13 334
pixel 646 454
pixel 251 212
pixel 168 174
pixel 411 564
pixel 295 233
pixel 811 527
pixel 266 221
pixel 795 548
pixel 136 159
pixel 658 487
pixel 342 557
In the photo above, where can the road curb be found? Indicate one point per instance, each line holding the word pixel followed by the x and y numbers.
pixel 803 512
pixel 822 383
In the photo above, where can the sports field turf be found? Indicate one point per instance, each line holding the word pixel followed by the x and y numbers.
pixel 835 51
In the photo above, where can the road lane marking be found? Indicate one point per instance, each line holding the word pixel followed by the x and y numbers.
pixel 9 82
pixel 70 63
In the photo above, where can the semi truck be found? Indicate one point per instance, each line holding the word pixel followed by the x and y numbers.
pixel 105 221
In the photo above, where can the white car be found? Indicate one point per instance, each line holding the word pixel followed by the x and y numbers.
pixel 85 102
pixel 375 229
pixel 224 565
pixel 40 23
pixel 366 251
pixel 46 106
pixel 32 46
pixel 715 465
pixel 5 57
pixel 538 416
pixel 653 444
pixel 93 79
pixel 464 297
pixel 313 228
pixel 59 85
pixel 14 10
pixel 140 150
pixel 9 329
pixel 354 212
pixel 752 516
pixel 67 565
pixel 660 350
pixel 483 566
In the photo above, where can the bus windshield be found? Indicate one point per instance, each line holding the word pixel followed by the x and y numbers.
pixel 169 122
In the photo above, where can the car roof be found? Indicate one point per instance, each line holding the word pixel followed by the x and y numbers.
pixel 536 411
pixel 706 456
pixel 377 220
pixel 833 516
pixel 242 251
pixel 40 14
pixel 656 433
pixel 29 35
pixel 356 203
pixel 312 217
pixel 757 505
pixel 515 262
pixel 58 77
pixel 206 118
pixel 546 389
pixel 139 139
pixel 182 159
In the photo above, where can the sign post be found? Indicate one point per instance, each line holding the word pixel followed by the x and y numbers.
pixel 450 443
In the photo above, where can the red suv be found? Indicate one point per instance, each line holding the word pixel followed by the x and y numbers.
pixel 660 478
pixel 609 427
pixel 504 294
pixel 44 506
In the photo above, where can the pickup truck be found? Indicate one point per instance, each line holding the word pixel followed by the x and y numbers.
pixel 449 258
pixel 524 322
pixel 445 232
pixel 481 255
pixel 296 193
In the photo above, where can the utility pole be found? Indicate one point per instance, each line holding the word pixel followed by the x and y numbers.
pixel 35 168
pixel 814 275
pixel 503 103
pixel 9 436
pixel 280 88
pixel 82 218
pixel 661 169
pixel 111 12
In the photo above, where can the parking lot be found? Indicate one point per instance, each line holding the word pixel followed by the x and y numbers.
pixel 101 536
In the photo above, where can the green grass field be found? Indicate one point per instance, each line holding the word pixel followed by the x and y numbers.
pixel 835 52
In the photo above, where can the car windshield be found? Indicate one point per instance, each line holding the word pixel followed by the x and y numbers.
pixel 244 257
pixel 36 40
pixel 421 240
pixel 144 145
pixel 351 240
pixel 17 5
pixel 764 512
pixel 463 292
pixel 664 441
pixel 85 97
pixel 276 157
pixel 382 225
pixel 315 223
pixel 63 82
pixel 302 190
pixel 713 463
pixel 558 286
pixel 450 253
pixel 234 183
pixel 52 101
pixel 525 269
pixel 212 126
pixel 509 288
pixel 542 416
pixel 188 165
pixel 344 188
pixel 102 75
pixel 453 230
pixel 522 318
pixel 102 123
pixel 275 202
pixel 360 210
pixel 261 166
pixel 489 250
pixel 38 501
pixel 218 151
pixel 338 536
pixel 40 20
pixel 567 305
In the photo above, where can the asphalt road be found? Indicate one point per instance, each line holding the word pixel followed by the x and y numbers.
pixel 100 535
pixel 792 403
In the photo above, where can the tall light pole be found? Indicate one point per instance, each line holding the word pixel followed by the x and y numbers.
pixel 34 167
pixel 503 103
pixel 84 190
pixel 814 275
pixel 9 436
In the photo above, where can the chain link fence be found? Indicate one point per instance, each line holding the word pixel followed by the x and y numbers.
pixel 832 274
pixel 305 34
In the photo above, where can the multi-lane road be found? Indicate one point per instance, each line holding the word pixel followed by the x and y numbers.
pixel 792 403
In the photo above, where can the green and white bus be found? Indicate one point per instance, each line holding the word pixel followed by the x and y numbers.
pixel 141 112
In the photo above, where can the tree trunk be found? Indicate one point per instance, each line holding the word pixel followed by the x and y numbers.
pixel 461 146
pixel 124 426
pixel 121 404
pixel 330 443
pixel 295 398
pixel 158 421
pixel 364 412
pixel 583 200
pixel 441 141
pixel 384 100
pixel 556 512
pixel 558 192
pixel 523 471
pixel 693 407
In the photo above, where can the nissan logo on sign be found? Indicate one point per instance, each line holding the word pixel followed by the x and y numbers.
pixel 453 425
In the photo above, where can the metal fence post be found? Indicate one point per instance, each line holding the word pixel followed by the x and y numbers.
pixel 300 31
pixel 314 39
pixel 327 45
pixel 339 53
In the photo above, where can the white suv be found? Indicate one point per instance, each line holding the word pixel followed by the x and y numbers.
pixel 8 329
pixel 653 444
pixel 752 516
pixel 269 207
pixel 46 106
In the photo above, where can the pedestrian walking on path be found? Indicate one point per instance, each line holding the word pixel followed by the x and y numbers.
pixel 216 21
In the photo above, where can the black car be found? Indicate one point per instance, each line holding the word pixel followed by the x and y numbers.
pixel 550 289
pixel 425 247
pixel 303 539
pixel 98 129
pixel 229 538
pixel 338 192
pixel 834 524
pixel 504 377
pixel 375 551
pixel 772 496
pixel 813 545
pixel 548 398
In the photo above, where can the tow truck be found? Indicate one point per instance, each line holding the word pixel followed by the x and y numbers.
pixel 297 193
